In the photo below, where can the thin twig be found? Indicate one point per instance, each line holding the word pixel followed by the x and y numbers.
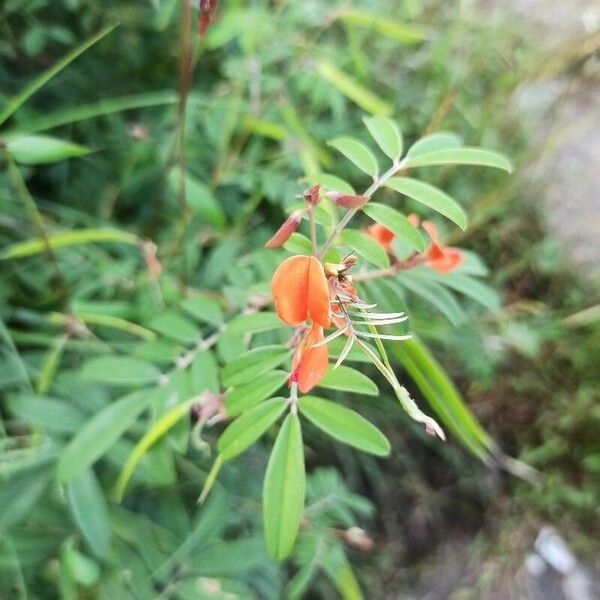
pixel 313 230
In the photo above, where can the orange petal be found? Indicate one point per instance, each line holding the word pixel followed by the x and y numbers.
pixel 289 287
pixel 318 294
pixel 442 259
pixel 310 363
pixel 382 235
pixel 300 291
pixel 431 229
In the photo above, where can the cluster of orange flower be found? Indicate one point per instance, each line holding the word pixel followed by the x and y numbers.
pixel 305 290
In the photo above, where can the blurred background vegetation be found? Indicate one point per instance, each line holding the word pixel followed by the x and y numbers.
pixel 273 82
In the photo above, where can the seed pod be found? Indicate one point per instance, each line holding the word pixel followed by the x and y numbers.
pixel 283 234
pixel 347 200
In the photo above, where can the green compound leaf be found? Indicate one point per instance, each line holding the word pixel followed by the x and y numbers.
pixel 344 425
pixel 284 489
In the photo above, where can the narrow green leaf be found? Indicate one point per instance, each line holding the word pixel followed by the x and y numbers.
pixel 108 106
pixel 348 380
pixel 115 323
pixel 14 103
pixel 154 433
pixel 50 364
pixel 436 295
pixel 254 323
pixel 248 427
pixel 175 327
pixel 67 238
pixel 119 370
pixel 246 396
pixel 49 413
pixel 344 425
pixel 433 142
pixel 430 196
pixel 406 34
pixel 439 391
pixel 461 156
pixel 284 489
pixel 471 287
pixel 88 505
pixel 357 153
pixel 396 222
pixel 366 247
pixel 203 309
pixel 252 364
pixel 204 373
pixel 387 135
pixel 100 433
pixel 348 86
pixel 42 149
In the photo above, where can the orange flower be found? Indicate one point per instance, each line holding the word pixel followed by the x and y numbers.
pixel 310 362
pixel 300 291
pixel 440 258
pixel 382 235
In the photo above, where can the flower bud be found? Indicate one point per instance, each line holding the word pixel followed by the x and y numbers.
pixel 311 196
pixel 207 10
pixel 347 200
pixel 285 231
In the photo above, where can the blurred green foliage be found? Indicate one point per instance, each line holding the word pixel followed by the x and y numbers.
pixel 274 81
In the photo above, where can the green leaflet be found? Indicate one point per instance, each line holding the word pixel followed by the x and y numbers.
pixel 284 489
pixel 344 425
pixel 248 427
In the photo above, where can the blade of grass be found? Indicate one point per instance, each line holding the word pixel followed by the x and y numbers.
pixel 15 103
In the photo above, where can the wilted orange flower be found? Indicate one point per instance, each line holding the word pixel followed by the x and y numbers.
pixel 310 362
pixel 382 235
pixel 300 291
pixel 440 258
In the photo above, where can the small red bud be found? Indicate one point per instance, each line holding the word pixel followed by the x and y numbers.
pixel 207 11
pixel 283 234
pixel 311 196
pixel 347 200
